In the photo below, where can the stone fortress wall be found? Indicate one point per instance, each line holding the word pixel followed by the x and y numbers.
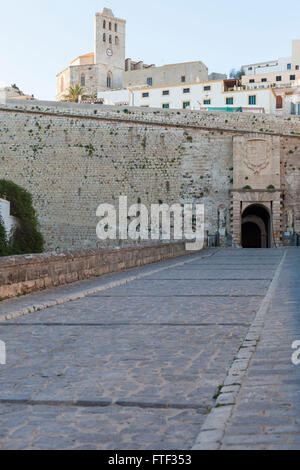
pixel 74 157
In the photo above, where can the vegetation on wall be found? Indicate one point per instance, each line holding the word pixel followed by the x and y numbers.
pixel 26 237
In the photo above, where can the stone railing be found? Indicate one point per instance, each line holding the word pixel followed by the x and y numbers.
pixel 21 275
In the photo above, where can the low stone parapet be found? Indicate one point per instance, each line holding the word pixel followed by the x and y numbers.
pixel 20 275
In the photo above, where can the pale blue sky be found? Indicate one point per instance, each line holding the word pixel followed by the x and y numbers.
pixel 39 38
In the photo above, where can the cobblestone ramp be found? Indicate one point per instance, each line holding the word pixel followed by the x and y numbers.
pixel 137 366
pixel 267 411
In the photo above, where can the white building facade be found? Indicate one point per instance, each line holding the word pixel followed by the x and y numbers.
pixel 10 222
pixel 218 95
pixel 283 75
pixel 289 64
pixel 279 65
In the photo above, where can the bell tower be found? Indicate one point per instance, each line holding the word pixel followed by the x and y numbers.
pixel 110 36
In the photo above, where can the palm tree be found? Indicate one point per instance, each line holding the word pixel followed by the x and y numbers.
pixel 74 92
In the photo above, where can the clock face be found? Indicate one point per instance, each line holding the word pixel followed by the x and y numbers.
pixel 109 52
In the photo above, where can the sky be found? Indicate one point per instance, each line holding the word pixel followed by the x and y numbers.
pixel 39 38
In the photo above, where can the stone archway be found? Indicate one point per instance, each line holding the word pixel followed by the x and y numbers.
pixel 256 227
pixel 269 200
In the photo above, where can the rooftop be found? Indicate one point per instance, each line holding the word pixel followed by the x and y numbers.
pixel 84 56
pixel 107 12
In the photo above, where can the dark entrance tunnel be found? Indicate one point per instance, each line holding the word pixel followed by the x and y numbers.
pixel 256 227
pixel 251 235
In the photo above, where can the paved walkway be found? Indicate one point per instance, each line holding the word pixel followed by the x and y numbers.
pixel 267 410
pixel 140 365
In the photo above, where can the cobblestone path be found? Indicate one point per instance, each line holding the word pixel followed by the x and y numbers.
pixel 267 410
pixel 139 366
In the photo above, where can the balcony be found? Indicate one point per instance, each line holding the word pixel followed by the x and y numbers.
pixel 232 84
pixel 255 86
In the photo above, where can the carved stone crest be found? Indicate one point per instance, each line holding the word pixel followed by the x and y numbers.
pixel 257 155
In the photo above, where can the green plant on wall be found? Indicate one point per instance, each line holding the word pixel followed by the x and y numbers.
pixel 26 237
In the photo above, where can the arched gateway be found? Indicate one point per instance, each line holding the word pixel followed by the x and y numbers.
pixel 256 227
pixel 257 208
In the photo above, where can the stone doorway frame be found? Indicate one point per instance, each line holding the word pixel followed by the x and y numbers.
pixel 270 199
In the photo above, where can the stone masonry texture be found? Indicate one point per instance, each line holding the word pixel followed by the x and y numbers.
pixel 21 275
pixel 140 366
pixel 72 158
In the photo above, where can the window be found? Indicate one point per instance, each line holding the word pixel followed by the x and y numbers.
pixel 116 28
pixel 186 90
pixel 166 106
pixel 145 95
pixel 206 102
pixel 263 80
pixel 249 68
pixel 82 80
pixel 104 37
pixel 289 66
pixel 251 80
pixel 149 81
pixel 165 92
pixel 229 100
pixel 109 80
pixel 110 39
pixel 292 77
pixel 252 100
pixel 297 67
pixel 116 40
pixel 207 88
pixel 183 79
pixel 278 78
pixel 104 24
pixel 186 104
pixel 109 26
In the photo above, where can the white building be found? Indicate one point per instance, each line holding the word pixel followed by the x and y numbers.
pixel 283 64
pixel 218 95
pixel 283 75
pixel 9 221
pixel 279 65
